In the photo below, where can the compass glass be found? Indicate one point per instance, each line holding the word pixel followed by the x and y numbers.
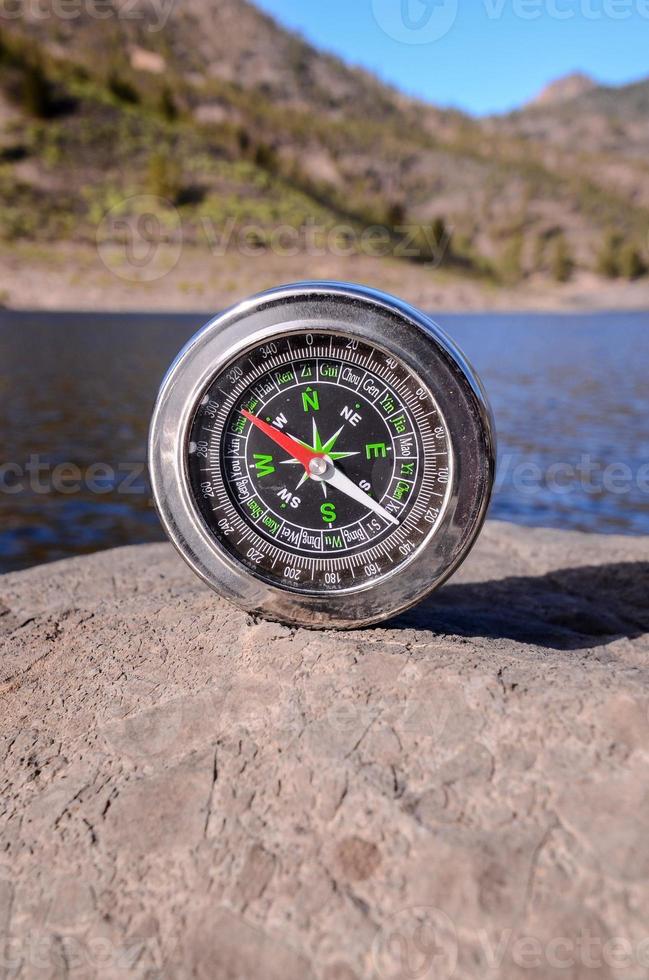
pixel 319 462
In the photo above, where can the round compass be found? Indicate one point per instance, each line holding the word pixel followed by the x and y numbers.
pixel 322 455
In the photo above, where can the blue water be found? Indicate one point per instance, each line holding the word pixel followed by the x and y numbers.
pixel 570 395
pixel 571 399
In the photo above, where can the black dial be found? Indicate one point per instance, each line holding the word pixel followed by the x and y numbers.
pixel 319 462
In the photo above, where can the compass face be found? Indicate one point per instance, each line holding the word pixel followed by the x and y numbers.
pixel 319 462
pixel 322 455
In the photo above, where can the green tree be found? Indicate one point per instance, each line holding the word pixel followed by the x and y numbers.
pixel 538 258
pixel 122 89
pixel 396 214
pixel 164 176
pixel 632 264
pixel 440 233
pixel 37 95
pixel 439 242
pixel 265 157
pixel 608 257
pixel 563 263
pixel 511 262
pixel 167 105
pixel 243 139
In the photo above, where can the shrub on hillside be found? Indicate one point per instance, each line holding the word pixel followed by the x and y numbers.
pixel 511 262
pixel 167 105
pixel 37 93
pixel 608 258
pixel 395 214
pixel 563 263
pixel 265 157
pixel 122 89
pixel 619 259
pixel 632 265
pixel 164 177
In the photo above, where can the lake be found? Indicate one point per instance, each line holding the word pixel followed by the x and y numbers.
pixel 570 395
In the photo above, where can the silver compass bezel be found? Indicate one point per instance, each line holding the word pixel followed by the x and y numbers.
pixel 376 318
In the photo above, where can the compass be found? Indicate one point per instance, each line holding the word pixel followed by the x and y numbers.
pixel 322 455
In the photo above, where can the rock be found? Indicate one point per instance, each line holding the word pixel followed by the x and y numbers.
pixel 143 60
pixel 462 792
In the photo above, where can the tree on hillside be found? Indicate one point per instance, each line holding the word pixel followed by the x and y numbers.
pixel 511 262
pixel 168 106
pixel 122 89
pixel 563 263
pixel 608 258
pixel 618 258
pixel 440 233
pixel 435 242
pixel 632 264
pixel 164 177
pixel 37 93
pixel 538 255
pixel 396 214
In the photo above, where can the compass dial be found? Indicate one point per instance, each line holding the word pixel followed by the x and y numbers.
pixel 319 462
pixel 322 454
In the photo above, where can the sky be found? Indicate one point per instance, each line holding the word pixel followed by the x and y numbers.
pixel 481 56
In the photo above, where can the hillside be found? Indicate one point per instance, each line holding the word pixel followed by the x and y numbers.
pixel 610 118
pixel 564 89
pixel 232 119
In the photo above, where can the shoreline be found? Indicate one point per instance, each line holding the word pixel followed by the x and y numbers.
pixel 67 277
pixel 203 316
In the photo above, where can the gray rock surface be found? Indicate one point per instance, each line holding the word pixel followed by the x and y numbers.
pixel 463 792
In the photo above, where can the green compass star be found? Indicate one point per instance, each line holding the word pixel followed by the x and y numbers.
pixel 318 446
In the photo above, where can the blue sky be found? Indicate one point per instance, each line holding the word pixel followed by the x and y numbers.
pixel 478 55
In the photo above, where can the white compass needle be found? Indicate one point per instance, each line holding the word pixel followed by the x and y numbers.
pixel 339 481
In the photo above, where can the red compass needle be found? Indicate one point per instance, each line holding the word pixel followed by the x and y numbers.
pixel 294 448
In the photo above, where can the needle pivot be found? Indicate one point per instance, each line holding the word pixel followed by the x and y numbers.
pixel 320 467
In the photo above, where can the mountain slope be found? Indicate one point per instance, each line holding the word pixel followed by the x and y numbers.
pixel 564 89
pixel 596 119
pixel 228 115
pixel 200 43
